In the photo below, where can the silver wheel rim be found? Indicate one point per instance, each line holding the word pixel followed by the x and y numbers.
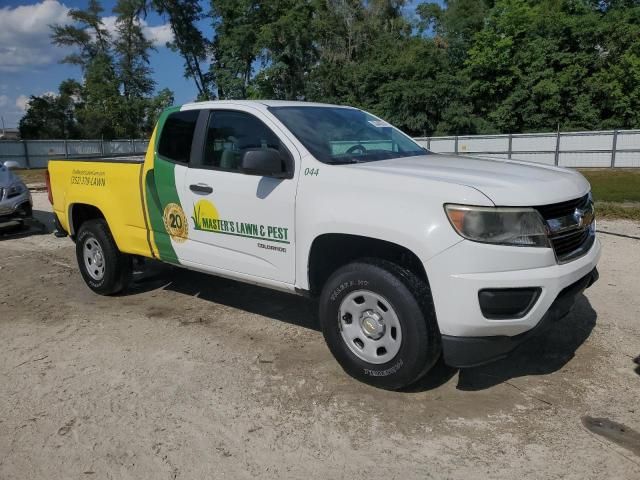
pixel 93 258
pixel 369 326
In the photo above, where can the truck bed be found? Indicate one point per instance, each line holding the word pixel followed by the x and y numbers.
pixel 113 185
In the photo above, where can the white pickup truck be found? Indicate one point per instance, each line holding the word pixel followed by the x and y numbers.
pixel 414 256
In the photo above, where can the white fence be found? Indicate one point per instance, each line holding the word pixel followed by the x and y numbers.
pixel 36 153
pixel 616 148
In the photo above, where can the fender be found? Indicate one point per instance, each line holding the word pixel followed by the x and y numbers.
pixel 414 220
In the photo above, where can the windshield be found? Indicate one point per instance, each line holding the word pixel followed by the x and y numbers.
pixel 345 135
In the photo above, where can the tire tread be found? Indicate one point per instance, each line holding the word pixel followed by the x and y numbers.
pixel 394 276
pixel 119 278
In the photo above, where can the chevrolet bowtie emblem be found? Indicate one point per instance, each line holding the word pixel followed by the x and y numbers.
pixel 584 218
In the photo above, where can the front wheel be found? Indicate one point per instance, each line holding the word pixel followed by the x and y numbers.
pixel 104 268
pixel 378 321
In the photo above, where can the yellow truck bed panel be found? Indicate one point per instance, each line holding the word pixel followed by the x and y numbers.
pixel 114 187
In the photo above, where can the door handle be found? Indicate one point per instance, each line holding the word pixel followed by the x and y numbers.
pixel 201 188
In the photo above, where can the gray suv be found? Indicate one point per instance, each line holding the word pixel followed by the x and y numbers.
pixel 15 198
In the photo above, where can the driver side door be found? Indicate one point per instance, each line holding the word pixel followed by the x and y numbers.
pixel 241 224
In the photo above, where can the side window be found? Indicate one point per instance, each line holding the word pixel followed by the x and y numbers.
pixel 230 134
pixel 177 135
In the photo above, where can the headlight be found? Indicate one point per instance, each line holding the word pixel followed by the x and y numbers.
pixel 523 227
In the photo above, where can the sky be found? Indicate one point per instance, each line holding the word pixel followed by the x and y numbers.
pixel 30 63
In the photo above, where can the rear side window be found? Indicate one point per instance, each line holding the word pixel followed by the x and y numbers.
pixel 177 135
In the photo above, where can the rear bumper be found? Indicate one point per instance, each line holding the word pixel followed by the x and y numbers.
pixel 465 352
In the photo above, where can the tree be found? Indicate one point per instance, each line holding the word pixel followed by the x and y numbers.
pixel 459 66
pixel 164 99
pixel 89 35
pixel 615 86
pixel 342 38
pixel 132 52
pixel 287 49
pixel 454 26
pixel 52 115
pixel 539 65
pixel 101 113
pixel 116 92
pixel 237 24
pixel 369 57
pixel 189 41
pixel 345 33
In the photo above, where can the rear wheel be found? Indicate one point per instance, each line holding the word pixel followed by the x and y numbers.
pixel 104 268
pixel 378 321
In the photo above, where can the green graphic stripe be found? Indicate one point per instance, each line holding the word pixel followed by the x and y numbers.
pixel 243 235
pixel 161 190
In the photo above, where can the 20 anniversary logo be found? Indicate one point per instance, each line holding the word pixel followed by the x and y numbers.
pixel 175 222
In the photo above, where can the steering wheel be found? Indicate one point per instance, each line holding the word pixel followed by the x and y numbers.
pixel 356 148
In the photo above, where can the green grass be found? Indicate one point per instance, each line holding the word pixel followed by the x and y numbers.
pixel 616 192
pixel 33 175
pixel 612 210
pixel 611 185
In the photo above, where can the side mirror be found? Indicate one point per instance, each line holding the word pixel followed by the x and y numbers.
pixel 265 162
pixel 11 164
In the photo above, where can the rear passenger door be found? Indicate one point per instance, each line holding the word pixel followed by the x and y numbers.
pixel 239 223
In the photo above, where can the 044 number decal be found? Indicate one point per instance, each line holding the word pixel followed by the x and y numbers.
pixel 311 172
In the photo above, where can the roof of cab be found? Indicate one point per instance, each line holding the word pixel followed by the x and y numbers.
pixel 261 104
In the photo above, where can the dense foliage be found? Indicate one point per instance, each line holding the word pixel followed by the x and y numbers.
pixel 473 66
pixel 476 66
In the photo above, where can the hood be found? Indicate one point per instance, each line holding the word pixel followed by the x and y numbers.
pixel 504 182
pixel 7 177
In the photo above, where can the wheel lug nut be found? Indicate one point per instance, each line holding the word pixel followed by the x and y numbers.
pixel 347 318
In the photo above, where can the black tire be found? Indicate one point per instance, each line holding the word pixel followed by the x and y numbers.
pixel 117 266
pixel 411 300
pixel 28 211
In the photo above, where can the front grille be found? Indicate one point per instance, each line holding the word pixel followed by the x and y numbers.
pixel 571 227
pixel 563 209
pixel 572 245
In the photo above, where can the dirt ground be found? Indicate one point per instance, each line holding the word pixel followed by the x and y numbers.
pixel 190 376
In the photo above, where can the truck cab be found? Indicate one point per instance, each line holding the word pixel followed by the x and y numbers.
pixel 413 256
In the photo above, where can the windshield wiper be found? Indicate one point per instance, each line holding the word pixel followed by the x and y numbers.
pixel 346 161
